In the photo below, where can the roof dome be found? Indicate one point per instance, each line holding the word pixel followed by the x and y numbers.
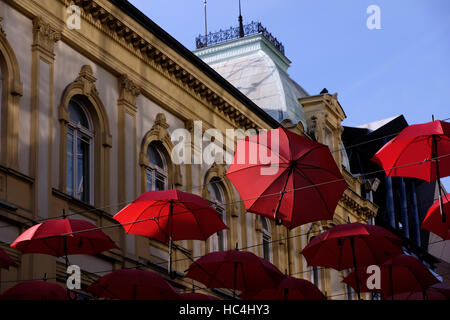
pixel 254 66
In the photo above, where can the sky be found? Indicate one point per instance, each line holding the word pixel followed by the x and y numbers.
pixel 402 68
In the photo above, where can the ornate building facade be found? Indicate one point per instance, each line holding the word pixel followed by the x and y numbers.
pixel 87 117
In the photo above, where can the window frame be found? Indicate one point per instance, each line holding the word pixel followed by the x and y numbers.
pixel 88 136
pixel 152 170
pixel 219 205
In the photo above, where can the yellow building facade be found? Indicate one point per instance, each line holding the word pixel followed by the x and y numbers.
pixel 87 117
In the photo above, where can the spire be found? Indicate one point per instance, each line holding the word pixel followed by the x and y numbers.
pixel 241 25
pixel 206 25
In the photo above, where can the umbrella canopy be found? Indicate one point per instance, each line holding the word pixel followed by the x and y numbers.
pixel 335 247
pixel 400 274
pixel 197 296
pixel 352 245
pixel 415 144
pixel 62 237
pixel 433 220
pixel 289 289
pixel 298 183
pixel 133 284
pixel 35 290
pixel 192 217
pixel 5 260
pixel 237 270
pixel 436 292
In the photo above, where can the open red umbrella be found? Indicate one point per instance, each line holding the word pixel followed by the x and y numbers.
pixel 433 220
pixel 400 274
pixel 133 284
pixel 352 245
pixel 237 270
pixel 420 151
pixel 62 237
pixel 298 183
pixel 170 216
pixel 5 260
pixel 436 292
pixel 35 290
pixel 289 289
pixel 197 296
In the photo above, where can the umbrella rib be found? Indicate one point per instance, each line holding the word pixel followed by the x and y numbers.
pixel 317 190
pixel 262 193
pixel 394 166
pixel 196 220
pixel 157 202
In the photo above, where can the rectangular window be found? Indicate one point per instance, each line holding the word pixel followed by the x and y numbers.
pixel 266 247
pixel 70 168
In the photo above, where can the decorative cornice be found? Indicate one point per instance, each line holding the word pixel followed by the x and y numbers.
pixel 363 208
pixel 93 11
pixel 129 91
pixel 44 36
pixel 87 80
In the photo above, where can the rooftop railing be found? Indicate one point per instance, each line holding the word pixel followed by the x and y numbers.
pixel 203 41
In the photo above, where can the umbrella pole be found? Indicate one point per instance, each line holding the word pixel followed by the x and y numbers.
pixel 358 291
pixel 279 222
pixel 170 240
pixel 435 156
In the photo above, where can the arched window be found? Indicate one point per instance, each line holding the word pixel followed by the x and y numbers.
pixel 217 200
pixel 266 239
pixel 79 153
pixel 156 172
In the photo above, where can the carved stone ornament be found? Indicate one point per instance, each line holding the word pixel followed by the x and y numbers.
pixel 45 36
pixel 129 91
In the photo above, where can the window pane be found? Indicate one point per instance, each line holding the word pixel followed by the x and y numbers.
pixel 82 191
pixel 266 253
pixel 149 180
pixel 160 182
pixel 70 172
pixel 154 157
pixel 76 114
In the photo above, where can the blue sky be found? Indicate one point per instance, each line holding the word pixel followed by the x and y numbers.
pixel 404 68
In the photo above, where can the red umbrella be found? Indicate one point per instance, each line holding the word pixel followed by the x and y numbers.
pixel 197 296
pixel 133 284
pixel 62 237
pixel 300 184
pixel 398 275
pixel 5 260
pixel 433 221
pixel 170 216
pixel 35 290
pixel 237 270
pixel 352 245
pixel 289 289
pixel 436 292
pixel 409 154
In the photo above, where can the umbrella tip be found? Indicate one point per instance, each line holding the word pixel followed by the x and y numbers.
pixel 348 220
pixel 237 246
pixel 432 117
pixel 45 277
